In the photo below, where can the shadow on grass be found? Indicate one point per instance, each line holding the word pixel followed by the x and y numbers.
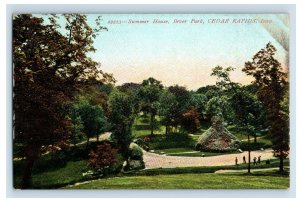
pixel 208 169
pixel 173 140
pixel 145 127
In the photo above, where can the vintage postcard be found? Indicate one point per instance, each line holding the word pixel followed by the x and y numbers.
pixel 151 101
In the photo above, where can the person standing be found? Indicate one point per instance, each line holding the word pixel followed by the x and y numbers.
pixel 244 159
pixel 258 160
pixel 254 161
pixel 236 160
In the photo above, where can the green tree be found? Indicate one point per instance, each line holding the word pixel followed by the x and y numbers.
pixel 92 117
pixel 285 106
pixel 167 109
pixel 121 119
pixel 133 90
pixel 199 101
pixel 218 106
pixel 205 89
pixel 95 96
pixel 49 66
pixel 149 94
pixel 106 88
pixel 249 115
pixel 272 83
pixel 247 109
pixel 77 128
pixel 183 97
pixel 223 78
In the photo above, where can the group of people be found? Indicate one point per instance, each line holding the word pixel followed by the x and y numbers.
pixel 256 160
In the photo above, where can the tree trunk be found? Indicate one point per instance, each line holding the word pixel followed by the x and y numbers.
pixel 255 138
pixel 249 156
pixel 151 123
pixel 249 162
pixel 167 129
pixel 97 138
pixel 281 162
pixel 87 142
pixel 25 184
pixel 136 120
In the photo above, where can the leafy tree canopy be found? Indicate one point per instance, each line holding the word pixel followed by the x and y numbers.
pixel 121 119
pixel 49 67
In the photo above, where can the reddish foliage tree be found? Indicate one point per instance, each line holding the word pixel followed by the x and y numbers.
pixel 273 85
pixel 49 66
pixel 182 97
pixel 102 157
pixel 190 120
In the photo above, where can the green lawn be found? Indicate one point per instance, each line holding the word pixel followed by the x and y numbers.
pixel 192 181
pixel 174 150
pixel 141 127
pixel 187 152
pixel 161 142
pixel 68 174
pixel 72 172
pixel 62 168
pixel 57 169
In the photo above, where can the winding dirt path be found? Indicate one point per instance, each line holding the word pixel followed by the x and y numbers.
pixel 153 160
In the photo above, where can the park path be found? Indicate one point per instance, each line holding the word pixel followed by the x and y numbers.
pixel 153 160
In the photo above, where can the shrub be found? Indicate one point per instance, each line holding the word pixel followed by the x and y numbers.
pixel 136 153
pixel 143 143
pixel 135 165
pixel 103 158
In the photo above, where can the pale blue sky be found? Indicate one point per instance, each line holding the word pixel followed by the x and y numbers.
pixel 182 53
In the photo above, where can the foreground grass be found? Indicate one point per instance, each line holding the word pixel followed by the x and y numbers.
pixel 57 169
pixel 192 181
pixel 207 169
pixel 72 172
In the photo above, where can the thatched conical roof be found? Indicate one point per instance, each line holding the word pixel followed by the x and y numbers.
pixel 217 138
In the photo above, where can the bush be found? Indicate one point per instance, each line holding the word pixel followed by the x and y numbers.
pixel 142 143
pixel 135 165
pixel 103 158
pixel 136 153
